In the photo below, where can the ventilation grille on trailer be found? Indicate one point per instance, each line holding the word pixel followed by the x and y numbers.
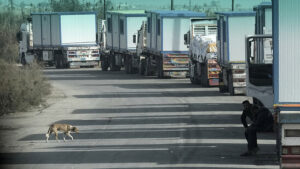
pixel 205 30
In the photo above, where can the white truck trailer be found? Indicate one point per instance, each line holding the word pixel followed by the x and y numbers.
pixel 232 29
pixel 282 77
pixel 286 33
pixel 201 40
pixel 166 55
pixel 121 26
pixel 66 39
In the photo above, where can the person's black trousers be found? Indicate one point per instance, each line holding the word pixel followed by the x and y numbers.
pixel 251 138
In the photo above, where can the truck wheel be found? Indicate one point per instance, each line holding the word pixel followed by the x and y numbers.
pixel 230 84
pixel 222 87
pixel 148 67
pixel 160 72
pixel 104 65
pixel 23 60
pixel 128 64
pixel 57 62
pixel 194 79
pixel 142 67
pixel 113 66
pixel 204 75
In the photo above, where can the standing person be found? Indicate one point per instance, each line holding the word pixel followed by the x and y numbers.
pixel 262 122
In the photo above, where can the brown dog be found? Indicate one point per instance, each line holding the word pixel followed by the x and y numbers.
pixel 65 128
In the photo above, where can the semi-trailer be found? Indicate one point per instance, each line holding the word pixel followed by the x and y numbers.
pixel 201 41
pixel 165 53
pixel 280 78
pixel 122 25
pixel 63 39
pixel 232 29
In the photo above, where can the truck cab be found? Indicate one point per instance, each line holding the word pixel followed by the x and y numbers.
pixel 25 43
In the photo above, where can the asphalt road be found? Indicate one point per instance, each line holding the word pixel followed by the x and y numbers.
pixel 131 122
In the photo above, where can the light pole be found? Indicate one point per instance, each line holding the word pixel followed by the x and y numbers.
pixel 104 9
pixel 232 7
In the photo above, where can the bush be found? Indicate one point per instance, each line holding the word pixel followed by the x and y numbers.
pixel 21 87
pixel 10 24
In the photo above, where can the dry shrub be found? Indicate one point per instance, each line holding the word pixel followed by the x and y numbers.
pixel 10 25
pixel 21 87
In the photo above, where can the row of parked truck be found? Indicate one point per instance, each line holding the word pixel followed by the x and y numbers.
pixel 254 53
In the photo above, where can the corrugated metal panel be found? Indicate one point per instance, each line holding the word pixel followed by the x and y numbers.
pixel 173 32
pixel 78 29
pixel 153 31
pixel 123 36
pixel 289 51
pixel 115 30
pixel 238 28
pixel 46 30
pixel 36 30
pixel 133 24
pixel 149 25
pixel 159 35
pixel 55 30
pixel 109 34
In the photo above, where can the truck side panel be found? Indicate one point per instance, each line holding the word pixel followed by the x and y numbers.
pixel 148 30
pixel 173 31
pixel 153 31
pixel 55 30
pixel 46 30
pixel 36 30
pixel 288 54
pixel 109 31
pixel 115 31
pixel 122 20
pixel 72 31
pixel 238 28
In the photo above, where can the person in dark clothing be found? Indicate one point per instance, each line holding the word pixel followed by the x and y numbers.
pixel 262 122
pixel 247 112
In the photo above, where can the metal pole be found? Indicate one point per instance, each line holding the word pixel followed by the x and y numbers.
pixel 172 5
pixel 104 10
pixel 232 7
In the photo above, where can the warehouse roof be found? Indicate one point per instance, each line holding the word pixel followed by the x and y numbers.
pixel 177 13
pixel 245 13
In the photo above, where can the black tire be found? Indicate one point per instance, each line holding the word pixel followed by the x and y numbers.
pixel 142 66
pixel 128 64
pixel 23 60
pixel 57 61
pixel 160 72
pixel 204 76
pixel 222 87
pixel 230 84
pixel 104 64
pixel 113 66
pixel 194 80
pixel 148 67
